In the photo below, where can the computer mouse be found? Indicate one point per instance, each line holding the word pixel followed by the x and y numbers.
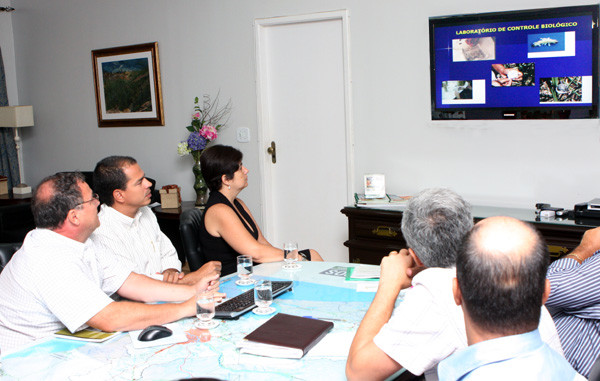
pixel 154 332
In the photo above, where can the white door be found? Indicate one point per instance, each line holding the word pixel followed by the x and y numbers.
pixel 304 107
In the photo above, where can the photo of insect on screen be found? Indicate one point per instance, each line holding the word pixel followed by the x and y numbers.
pixel 513 74
pixel 561 89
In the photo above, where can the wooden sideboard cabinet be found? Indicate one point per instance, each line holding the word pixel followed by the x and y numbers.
pixel 373 233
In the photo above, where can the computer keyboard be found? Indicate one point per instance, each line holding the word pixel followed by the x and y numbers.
pixel 244 302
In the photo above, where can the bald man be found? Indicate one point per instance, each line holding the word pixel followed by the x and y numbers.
pixel 501 286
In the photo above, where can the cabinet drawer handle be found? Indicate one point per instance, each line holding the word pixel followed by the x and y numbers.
pixel 385 231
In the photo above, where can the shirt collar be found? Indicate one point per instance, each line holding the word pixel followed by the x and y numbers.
pixel 120 217
pixel 50 236
pixel 474 356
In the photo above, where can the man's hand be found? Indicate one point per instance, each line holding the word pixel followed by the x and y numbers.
pixel 366 361
pixel 207 284
pixel 207 270
pixel 171 276
pixel 190 306
pixel 219 296
pixel 393 271
pixel 590 243
pixel 412 271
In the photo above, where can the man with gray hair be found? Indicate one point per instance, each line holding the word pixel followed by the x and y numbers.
pixel 426 326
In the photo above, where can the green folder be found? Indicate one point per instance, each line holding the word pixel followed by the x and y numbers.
pixel 349 272
pixel 88 334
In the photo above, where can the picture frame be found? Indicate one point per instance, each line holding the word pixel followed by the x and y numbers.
pixel 374 185
pixel 127 86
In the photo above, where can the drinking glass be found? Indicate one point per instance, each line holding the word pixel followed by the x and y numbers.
pixel 290 255
pixel 244 270
pixel 263 297
pixel 205 310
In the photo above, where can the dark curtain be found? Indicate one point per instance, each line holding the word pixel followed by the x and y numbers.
pixel 9 164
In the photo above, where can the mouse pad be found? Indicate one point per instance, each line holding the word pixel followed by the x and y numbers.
pixel 178 336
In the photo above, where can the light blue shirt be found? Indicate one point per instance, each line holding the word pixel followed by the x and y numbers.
pixel 523 357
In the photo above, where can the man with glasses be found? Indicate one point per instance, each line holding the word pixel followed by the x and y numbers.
pixel 57 280
pixel 129 230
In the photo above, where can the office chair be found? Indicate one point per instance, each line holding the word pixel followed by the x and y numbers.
pixel 189 229
pixel 6 252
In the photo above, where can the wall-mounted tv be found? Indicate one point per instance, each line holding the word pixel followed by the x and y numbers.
pixel 532 64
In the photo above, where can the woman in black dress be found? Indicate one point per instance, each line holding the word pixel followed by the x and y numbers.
pixel 228 227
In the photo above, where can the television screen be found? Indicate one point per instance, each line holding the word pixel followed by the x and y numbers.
pixel 523 64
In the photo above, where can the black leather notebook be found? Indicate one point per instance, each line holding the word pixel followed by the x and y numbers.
pixel 286 336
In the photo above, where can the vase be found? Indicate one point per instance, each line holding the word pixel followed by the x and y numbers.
pixel 200 185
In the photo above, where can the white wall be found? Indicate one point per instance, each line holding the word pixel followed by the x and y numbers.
pixel 207 45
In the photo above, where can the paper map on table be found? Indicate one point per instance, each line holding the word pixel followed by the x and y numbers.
pixel 211 353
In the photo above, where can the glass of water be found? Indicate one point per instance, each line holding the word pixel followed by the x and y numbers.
pixel 244 270
pixel 263 297
pixel 205 310
pixel 290 256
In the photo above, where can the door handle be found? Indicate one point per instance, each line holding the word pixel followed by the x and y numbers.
pixel 273 152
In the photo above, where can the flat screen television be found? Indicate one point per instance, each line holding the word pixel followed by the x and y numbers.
pixel 531 64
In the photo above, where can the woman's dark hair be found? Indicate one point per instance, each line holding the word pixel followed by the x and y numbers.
pixel 217 161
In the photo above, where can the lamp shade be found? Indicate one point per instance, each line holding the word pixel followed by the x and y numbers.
pixel 16 116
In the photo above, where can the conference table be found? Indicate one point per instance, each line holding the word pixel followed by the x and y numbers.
pixel 320 290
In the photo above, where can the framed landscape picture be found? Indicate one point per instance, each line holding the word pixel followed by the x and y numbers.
pixel 127 82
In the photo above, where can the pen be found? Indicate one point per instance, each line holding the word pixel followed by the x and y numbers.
pixel 322 318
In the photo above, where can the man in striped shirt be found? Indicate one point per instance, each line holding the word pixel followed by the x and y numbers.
pixel 128 228
pixel 574 302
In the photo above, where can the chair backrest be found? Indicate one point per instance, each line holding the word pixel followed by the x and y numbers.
pixel 189 229
pixel 6 252
pixel 595 371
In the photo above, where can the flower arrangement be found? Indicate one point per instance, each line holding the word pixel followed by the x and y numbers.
pixel 207 119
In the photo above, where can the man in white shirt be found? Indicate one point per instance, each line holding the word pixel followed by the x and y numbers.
pixel 57 280
pixel 128 228
pixel 501 284
pixel 426 326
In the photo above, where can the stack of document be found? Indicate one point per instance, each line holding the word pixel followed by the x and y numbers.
pixel 363 272
pixel 388 200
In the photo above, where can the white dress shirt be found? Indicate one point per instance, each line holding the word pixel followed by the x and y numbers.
pixel 137 243
pixel 51 283
pixel 428 326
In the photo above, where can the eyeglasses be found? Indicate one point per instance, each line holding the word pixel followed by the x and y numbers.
pixel 94 197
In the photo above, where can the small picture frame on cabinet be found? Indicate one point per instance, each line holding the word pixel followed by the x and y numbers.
pixel 374 186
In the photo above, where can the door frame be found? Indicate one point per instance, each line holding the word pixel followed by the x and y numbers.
pixel 264 125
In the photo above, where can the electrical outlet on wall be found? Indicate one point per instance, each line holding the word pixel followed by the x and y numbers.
pixel 243 134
